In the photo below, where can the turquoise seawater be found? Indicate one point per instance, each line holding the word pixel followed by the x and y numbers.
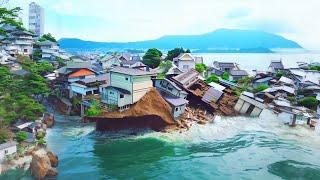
pixel 230 148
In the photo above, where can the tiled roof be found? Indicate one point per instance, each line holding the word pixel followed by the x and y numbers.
pixel 186 76
pixel 238 73
pixel 7 145
pixel 82 72
pixel 131 71
pixel 103 77
pixel 175 101
pixel 277 64
pixel 212 94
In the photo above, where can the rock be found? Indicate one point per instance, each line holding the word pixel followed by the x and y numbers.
pixel 48 119
pixel 52 172
pixel 53 159
pixel 41 166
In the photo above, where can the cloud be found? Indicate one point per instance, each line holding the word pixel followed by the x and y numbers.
pixel 132 20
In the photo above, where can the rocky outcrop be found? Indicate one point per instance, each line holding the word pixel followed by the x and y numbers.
pixel 48 119
pixel 150 111
pixel 53 159
pixel 41 166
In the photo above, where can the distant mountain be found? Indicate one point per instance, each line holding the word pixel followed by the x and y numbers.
pixel 222 39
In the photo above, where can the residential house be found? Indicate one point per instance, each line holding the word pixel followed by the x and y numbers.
pixel 127 86
pixel 177 104
pixel 134 64
pixel 214 70
pixel 75 71
pixel 49 50
pixel 286 81
pixel 84 89
pixel 280 90
pixel 169 87
pixel 304 78
pixel 290 114
pixel 262 81
pixel 22 41
pixel 173 94
pixel 110 61
pixel 186 79
pixel 249 104
pixel 276 66
pixel 185 61
pixel 226 66
pixel 7 149
pixel 237 74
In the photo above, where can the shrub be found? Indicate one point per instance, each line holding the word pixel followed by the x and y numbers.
pixel 40 135
pixel 95 109
pixel 261 88
pixel 309 102
pixel 212 78
pixel 225 76
pixel 41 142
pixel 201 67
pixel 21 136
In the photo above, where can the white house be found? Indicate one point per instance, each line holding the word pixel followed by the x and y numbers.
pixel 49 49
pixel 185 61
pixel 7 149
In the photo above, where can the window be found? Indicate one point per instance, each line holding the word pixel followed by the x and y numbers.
pixel 6 151
pixel 121 96
pixel 127 79
pixel 177 108
pixel 185 67
pixel 111 92
pixel 25 50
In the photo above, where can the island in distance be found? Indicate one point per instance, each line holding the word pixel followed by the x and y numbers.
pixel 219 41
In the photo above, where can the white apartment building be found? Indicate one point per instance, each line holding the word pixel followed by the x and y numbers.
pixel 36 19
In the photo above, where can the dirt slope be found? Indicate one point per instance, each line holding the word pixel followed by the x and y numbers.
pixel 150 104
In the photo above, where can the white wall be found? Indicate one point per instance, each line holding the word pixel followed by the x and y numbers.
pixel 11 150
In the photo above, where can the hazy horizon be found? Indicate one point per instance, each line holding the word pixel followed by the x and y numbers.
pixel 139 20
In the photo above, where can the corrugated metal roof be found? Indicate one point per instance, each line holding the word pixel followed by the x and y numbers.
pixel 212 95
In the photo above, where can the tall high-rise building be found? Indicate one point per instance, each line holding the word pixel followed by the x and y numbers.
pixel 36 19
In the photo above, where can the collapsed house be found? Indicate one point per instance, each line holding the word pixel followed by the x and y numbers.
pixel 289 114
pixel 173 94
pixel 250 105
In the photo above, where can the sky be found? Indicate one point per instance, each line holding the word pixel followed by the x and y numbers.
pixel 134 20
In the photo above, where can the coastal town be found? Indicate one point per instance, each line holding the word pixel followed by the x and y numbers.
pixel 161 90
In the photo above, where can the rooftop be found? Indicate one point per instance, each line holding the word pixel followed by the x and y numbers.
pixel 7 145
pixel 130 71
pixel 186 76
pixel 238 73
pixel 175 101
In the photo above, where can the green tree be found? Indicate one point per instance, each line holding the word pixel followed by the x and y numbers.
pixel 37 55
pixel 316 68
pixel 21 136
pixel 152 58
pixel 165 65
pixel 212 78
pixel 309 102
pixel 225 76
pixel 48 37
pixel 260 88
pixel 201 67
pixel 174 53
pixel 9 17
pixel 188 51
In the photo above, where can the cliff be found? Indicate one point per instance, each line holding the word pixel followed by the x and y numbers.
pixel 151 111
